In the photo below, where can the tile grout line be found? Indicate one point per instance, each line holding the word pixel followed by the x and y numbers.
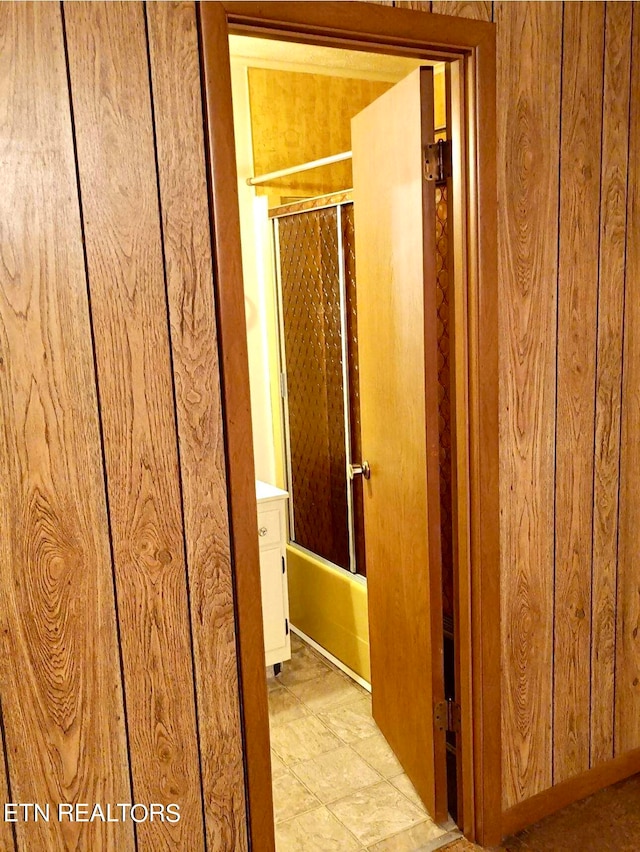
pixel 355 753
pixel 424 817
pixel 430 846
pixel 311 793
pixel 395 833
pixel 341 703
pixel 322 804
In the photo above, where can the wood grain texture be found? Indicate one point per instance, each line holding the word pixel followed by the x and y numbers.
pixel 615 144
pixel 185 211
pixel 455 102
pixel 397 350
pixel 59 671
pixel 627 709
pixel 477 10
pixel 371 24
pixel 416 5
pixel 236 405
pixel 400 28
pixel 484 292
pixel 529 39
pixel 111 99
pixel 528 161
pixel 583 52
pixel 566 792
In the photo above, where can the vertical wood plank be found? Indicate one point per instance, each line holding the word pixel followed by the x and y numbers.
pixel 528 163
pixel 615 143
pixel 627 719
pixel 479 10
pixel 60 674
pixel 180 136
pixel 417 5
pixel 111 99
pixel 583 52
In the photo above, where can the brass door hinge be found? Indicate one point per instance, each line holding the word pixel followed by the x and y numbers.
pixel 447 716
pixel 437 160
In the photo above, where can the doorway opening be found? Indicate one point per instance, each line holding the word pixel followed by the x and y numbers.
pixel 469 48
pixel 300 270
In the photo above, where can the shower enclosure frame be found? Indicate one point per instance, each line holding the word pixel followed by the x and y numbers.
pixel 323 204
pixel 470 49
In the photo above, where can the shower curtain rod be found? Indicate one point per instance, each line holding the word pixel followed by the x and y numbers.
pixel 325 161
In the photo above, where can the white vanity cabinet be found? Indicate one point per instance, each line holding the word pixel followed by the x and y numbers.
pixel 272 538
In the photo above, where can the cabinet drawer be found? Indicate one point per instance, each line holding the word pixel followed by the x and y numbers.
pixel 269 527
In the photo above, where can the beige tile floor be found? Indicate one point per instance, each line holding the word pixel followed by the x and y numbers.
pixel 336 783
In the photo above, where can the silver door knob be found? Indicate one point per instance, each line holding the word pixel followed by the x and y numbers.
pixel 361 469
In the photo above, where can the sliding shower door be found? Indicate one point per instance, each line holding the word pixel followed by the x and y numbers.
pixel 316 284
pixel 316 274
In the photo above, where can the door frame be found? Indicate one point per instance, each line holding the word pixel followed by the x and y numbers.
pixel 470 46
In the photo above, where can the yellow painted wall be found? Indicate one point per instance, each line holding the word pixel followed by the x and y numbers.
pixel 257 270
pixel 330 607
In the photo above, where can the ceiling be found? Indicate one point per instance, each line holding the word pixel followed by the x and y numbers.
pixel 285 55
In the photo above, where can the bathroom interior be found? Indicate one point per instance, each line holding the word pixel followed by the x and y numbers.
pixel 293 105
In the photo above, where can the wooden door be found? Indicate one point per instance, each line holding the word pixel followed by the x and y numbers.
pixel 395 262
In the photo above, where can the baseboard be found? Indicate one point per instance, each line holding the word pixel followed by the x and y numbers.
pixel 543 804
pixel 336 662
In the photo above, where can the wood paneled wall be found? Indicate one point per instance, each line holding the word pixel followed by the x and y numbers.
pixel 627 623
pixel 60 655
pixel 528 127
pixel 118 672
pixel 563 166
pixel 568 195
pixel 119 677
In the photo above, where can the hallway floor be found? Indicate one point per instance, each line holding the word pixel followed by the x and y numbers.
pixel 336 783
pixel 608 821
pixel 338 787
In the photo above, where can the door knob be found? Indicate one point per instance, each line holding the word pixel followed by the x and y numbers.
pixel 361 469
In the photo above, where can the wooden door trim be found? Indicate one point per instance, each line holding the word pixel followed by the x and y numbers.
pixel 391 30
pixel 236 416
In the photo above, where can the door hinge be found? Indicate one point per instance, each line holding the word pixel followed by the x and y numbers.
pixel 437 160
pixel 447 716
pixel 283 386
pixel 283 566
pixel 286 626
